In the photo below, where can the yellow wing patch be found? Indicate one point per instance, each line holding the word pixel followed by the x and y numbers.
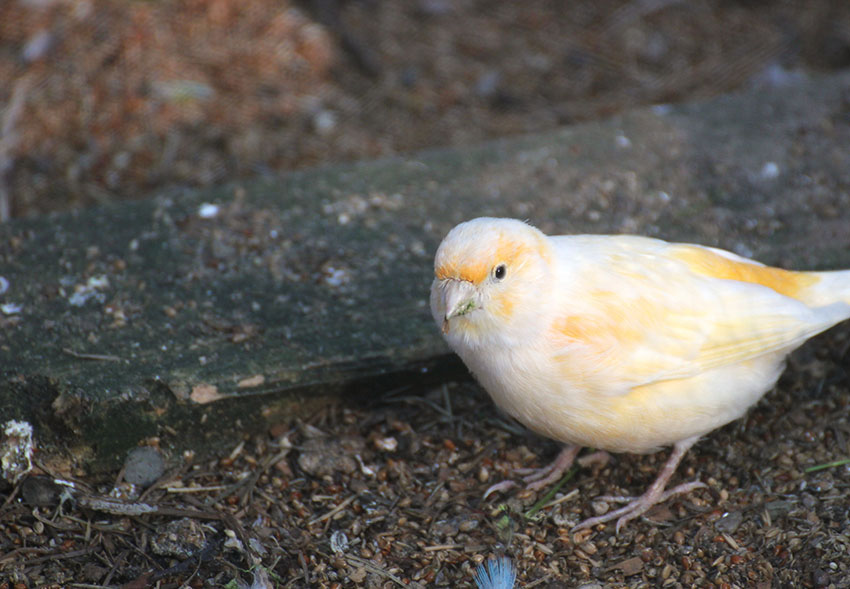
pixel 615 319
pixel 637 340
pixel 621 336
pixel 705 262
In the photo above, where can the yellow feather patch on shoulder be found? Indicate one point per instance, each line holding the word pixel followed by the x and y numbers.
pixel 708 263
pixel 617 318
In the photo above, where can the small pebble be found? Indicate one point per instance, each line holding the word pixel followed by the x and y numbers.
pixel 729 522
pixel 822 485
pixel 769 171
pixel 809 500
pixel 820 578
pixel 40 491
pixel 600 507
pixel 622 141
pixel 324 122
pixel 38 46
pixel 324 456
pixel 143 466
pixel 11 308
pixel 339 542
pixel 389 444
pixel 208 210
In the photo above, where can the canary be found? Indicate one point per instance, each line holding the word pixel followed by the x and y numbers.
pixel 622 343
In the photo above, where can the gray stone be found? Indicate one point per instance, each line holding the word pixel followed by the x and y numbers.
pixel 143 466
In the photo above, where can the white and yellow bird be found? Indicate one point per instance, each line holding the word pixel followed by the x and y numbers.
pixel 622 343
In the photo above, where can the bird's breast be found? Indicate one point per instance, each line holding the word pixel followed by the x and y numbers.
pixel 531 387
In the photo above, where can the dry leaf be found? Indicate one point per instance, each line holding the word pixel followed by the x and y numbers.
pixel 205 393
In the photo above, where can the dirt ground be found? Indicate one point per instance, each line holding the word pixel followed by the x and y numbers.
pixel 104 100
pixel 391 495
pixel 111 100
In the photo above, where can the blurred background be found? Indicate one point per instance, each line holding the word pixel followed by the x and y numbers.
pixel 118 99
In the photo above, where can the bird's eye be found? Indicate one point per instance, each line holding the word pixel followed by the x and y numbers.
pixel 500 271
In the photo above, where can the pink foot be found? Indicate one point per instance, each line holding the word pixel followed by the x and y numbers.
pixel 540 477
pixel 654 494
pixel 600 457
pixel 503 486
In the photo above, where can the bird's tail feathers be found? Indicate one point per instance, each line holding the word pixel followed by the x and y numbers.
pixel 831 287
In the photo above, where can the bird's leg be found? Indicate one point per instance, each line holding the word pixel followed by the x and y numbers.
pixel 654 494
pixel 540 477
pixel 600 457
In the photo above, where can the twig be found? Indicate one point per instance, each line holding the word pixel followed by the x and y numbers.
pixel 206 489
pixel 333 511
pixel 118 562
pixel 52 523
pixel 84 356
pixel 440 547
pixel 211 549
pixel 127 508
pixel 12 495
pixel 249 483
pixel 569 496
pixel 14 554
pixel 117 507
pixel 59 556
pixel 374 568
pixel 539 581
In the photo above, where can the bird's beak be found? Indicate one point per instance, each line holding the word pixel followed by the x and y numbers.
pixel 459 298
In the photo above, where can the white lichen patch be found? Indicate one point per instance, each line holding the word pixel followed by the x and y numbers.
pixel 16 450
pixel 91 290
pixel 335 276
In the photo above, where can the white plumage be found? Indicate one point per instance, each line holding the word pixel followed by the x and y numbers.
pixel 623 343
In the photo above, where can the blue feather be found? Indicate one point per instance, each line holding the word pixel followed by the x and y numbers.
pixel 498 573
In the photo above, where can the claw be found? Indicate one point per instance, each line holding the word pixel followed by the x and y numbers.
pixel 553 471
pixel 540 477
pixel 654 494
pixel 503 486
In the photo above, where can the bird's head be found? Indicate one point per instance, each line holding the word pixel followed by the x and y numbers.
pixel 489 274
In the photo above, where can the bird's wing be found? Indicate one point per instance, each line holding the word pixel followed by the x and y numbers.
pixel 671 312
